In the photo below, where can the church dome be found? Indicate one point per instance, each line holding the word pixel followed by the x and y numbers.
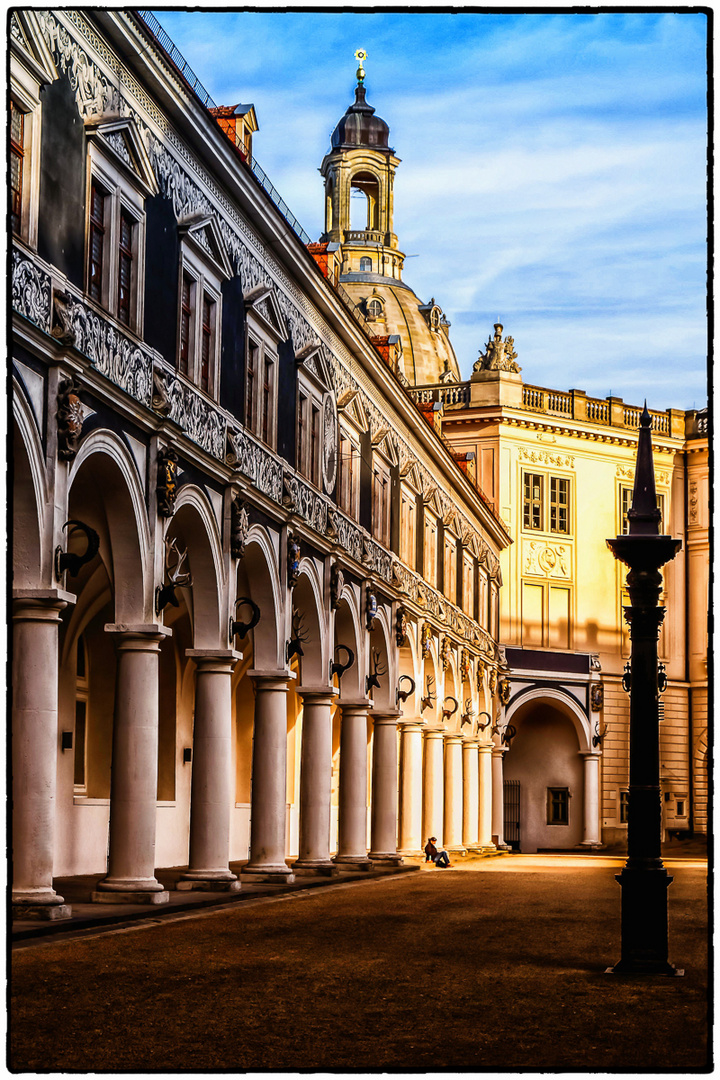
pixel 360 127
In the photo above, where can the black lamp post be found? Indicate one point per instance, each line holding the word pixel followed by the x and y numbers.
pixel 644 879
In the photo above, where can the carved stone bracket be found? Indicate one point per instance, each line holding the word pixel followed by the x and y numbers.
pixel 166 481
pixel 239 527
pixel 70 417
pixel 293 560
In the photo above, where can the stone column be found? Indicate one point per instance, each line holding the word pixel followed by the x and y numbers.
pixel 591 799
pixel 498 810
pixel 411 788
pixel 315 780
pixel 485 797
pixel 268 811
pixel 453 793
pixel 36 618
pixel 133 786
pixel 470 794
pixel 211 773
pixel 384 806
pixel 433 785
pixel 352 821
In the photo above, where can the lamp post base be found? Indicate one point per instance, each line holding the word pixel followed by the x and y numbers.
pixel 644 923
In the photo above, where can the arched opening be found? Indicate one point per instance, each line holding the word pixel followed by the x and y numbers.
pixel 263 648
pixel 543 776
pixel 26 548
pixel 110 588
pixel 365 265
pixel 364 201
pixel 350 686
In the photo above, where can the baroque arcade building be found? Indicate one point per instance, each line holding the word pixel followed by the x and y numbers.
pixel 255 593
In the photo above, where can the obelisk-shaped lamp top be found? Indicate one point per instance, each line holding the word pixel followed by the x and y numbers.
pixel 643 546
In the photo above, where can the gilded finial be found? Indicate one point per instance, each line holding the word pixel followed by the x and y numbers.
pixel 360 55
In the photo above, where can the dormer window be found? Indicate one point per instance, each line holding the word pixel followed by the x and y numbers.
pixel 374 309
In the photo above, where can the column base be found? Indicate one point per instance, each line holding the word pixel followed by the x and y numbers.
pixel 456 849
pixel 269 875
pixel 393 858
pixel 186 884
pixel 353 862
pixel 315 869
pixel 28 909
pixel 411 853
pixel 128 896
pixel 591 845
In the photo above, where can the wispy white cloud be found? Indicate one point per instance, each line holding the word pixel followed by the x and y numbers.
pixel 553 170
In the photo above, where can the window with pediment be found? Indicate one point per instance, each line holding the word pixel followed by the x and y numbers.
pixel 265 329
pixel 381 496
pixel 120 178
pixel 450 545
pixel 31 67
pixel 204 266
pixel 430 542
pixel 468 583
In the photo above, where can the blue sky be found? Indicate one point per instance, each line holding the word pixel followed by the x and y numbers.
pixel 553 171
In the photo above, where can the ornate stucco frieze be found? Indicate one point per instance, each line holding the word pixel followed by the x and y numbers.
pixel 544 457
pixel 31 291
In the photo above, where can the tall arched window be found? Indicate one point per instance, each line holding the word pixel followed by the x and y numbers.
pixel 374 309
pixel 365 265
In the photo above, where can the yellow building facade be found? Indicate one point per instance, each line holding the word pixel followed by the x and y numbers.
pixel 559 468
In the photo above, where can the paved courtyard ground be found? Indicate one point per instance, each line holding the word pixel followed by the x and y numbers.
pixel 498 964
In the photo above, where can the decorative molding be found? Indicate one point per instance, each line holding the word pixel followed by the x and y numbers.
pixel 302 499
pixel 544 457
pixel 194 414
pixel 263 468
pixel 31 291
pixel 541 559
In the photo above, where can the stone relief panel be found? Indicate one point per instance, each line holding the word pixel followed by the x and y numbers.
pixel 542 559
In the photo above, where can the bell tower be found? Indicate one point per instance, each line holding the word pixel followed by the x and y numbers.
pixel 359 172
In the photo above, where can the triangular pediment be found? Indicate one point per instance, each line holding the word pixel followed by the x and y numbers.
pixel 383 442
pixel 203 231
pixel 411 477
pixel 262 301
pixel 350 408
pixel 432 501
pixel 119 138
pixel 28 43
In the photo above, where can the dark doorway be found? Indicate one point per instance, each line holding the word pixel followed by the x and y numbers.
pixel 511 814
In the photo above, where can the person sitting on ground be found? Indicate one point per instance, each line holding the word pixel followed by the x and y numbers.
pixel 440 858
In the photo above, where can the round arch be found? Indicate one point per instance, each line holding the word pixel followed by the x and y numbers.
pixel 29 495
pixel 565 704
pixel 104 476
pixel 195 525
pixel 307 602
pixel 258 577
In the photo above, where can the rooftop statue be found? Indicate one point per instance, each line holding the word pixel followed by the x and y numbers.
pixel 499 355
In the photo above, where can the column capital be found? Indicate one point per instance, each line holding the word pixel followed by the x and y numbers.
pixel 50 597
pixel 434 733
pixel 471 741
pixel 40 605
pixel 415 724
pixel 381 720
pixel 360 704
pixel 453 737
pixel 320 695
pixel 155 630
pixel 485 747
pixel 269 679
pixel 214 659
pixel 499 751
pixel 590 754
pixel 386 716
